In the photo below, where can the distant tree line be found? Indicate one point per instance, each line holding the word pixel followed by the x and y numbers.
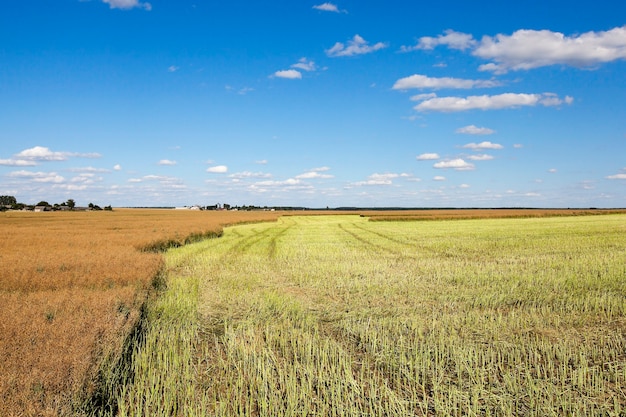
pixel 9 202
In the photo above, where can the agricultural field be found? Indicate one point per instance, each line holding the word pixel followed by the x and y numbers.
pixel 72 289
pixel 342 316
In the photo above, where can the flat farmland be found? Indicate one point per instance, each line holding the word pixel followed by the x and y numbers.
pixel 72 287
pixel 341 316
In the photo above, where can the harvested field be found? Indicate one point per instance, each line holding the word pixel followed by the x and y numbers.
pixel 339 316
pixel 73 285
pixel 465 214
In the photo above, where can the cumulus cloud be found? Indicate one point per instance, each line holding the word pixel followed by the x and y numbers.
pixel 439 178
pixel 249 174
pixel 482 157
pixel 40 153
pixel 327 7
pixel 172 68
pixel 483 145
pixel 33 156
pixel 89 170
pixel 427 156
pixel 287 182
pixel 117 167
pixel 474 130
pixel 217 169
pixel 528 49
pixel 486 102
pixel 452 39
pixel 552 170
pixel 457 164
pixel 127 4
pixel 422 97
pixel 44 177
pixel 167 162
pixel 356 46
pixel 17 162
pixel 423 81
pixel 305 65
pixel 315 173
pixel 378 179
pixel 616 177
pixel 289 74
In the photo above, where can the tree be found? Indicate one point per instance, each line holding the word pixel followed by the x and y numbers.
pixel 43 203
pixel 7 200
pixel 71 204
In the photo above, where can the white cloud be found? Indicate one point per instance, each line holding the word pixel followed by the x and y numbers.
pixel 127 4
pixel 483 157
pixel 71 187
pixel 45 177
pixel 218 169
pixel 457 164
pixel 427 156
pixel 486 102
pixel 422 81
pixel 89 170
pixel 17 162
pixel 289 74
pixel 518 145
pixel 172 68
pixel 32 156
pixel 261 162
pixel 454 40
pixel 379 179
pixel 439 178
pixel 464 186
pixel 474 130
pixel 287 182
pixel 552 170
pixel 327 7
pixel 117 167
pixel 249 174
pixel 315 173
pixel 528 49
pixel 166 162
pixel 40 153
pixel 483 145
pixel 616 177
pixel 356 46
pixel 305 65
pixel 85 179
pixel 422 97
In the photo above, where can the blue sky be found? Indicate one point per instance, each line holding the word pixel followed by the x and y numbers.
pixel 304 103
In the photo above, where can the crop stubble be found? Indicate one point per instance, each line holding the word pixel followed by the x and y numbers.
pixel 341 316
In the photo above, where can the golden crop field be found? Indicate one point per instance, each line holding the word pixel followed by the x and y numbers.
pixel 72 285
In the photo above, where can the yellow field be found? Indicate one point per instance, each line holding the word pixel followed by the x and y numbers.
pixel 71 288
